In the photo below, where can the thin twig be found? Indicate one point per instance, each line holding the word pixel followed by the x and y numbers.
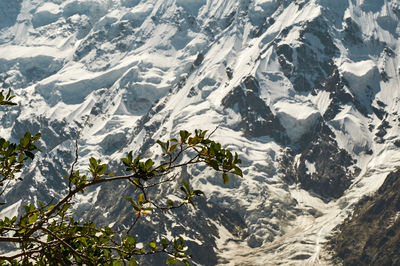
pixel 133 224
pixel 5 187
pixel 172 178
pixel 74 163
pixel 213 132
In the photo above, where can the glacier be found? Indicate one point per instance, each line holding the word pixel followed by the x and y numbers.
pixel 306 91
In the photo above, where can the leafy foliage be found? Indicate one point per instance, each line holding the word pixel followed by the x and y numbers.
pixel 6 99
pixel 50 234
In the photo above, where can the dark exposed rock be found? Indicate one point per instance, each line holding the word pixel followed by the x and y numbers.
pixel 199 59
pixel 381 133
pixel 397 143
pixel 229 72
pixel 352 32
pixel 339 96
pixel 384 124
pixel 227 21
pixel 313 63
pixel 263 28
pixel 334 84
pixel 301 83
pixel 396 9
pixel 257 118
pixel 252 84
pixel 381 104
pixel 287 68
pixel 192 92
pixel 286 51
pixel 371 235
pixel 389 52
pixel 384 76
pixel 330 175
pixel 380 113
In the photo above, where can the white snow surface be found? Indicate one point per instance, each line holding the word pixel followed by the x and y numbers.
pixel 99 69
pixel 297 117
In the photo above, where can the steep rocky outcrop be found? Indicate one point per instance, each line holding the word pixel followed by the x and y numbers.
pixel 257 118
pixel 371 235
pixel 320 165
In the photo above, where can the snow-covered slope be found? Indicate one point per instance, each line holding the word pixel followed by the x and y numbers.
pixel 306 91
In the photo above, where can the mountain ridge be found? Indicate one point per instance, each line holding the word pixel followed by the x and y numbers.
pixel 306 91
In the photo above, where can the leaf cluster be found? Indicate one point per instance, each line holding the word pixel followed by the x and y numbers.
pixel 13 156
pixel 6 99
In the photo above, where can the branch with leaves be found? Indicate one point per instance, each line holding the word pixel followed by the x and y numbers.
pixel 50 234
pixel 6 99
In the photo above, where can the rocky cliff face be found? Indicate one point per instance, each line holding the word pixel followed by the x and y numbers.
pixel 371 235
pixel 306 91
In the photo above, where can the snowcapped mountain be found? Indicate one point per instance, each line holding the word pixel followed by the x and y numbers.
pixel 307 92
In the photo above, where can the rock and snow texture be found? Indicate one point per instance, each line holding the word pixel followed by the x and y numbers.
pixel 306 91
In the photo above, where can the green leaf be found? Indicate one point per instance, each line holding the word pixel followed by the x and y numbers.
pixel 33 218
pixel 198 192
pixel 186 184
pixel 129 239
pixel 214 164
pixel 36 137
pixel 129 199
pixel 184 135
pixel 136 207
pixel 125 161
pixel 148 164
pixel 65 207
pixel 92 163
pixel 153 245
pixel 30 154
pixel 141 198
pixel 27 135
pixel 225 178
pixel 25 140
pixel 184 190
pixel 101 169
pixel 164 243
pixel 132 262
pixel 173 148
pixel 162 145
pixel 237 171
pixel 137 159
pixel 171 260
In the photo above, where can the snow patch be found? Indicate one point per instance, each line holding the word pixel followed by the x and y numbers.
pixel 310 167
pixel 352 131
pixel 355 71
pixel 46 14
pixel 297 117
pixel 11 210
